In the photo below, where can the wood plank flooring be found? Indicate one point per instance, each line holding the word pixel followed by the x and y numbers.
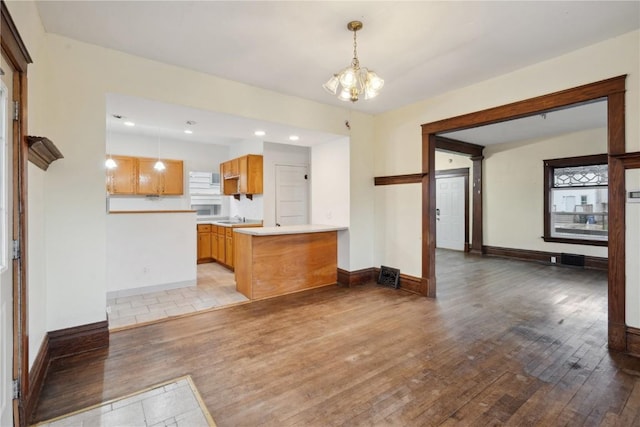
pixel 505 343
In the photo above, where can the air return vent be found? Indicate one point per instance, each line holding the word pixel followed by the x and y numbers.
pixel 572 259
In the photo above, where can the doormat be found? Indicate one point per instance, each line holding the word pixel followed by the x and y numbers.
pixel 175 402
pixel 389 277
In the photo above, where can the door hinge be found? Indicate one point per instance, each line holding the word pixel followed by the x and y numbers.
pixel 16 110
pixel 16 249
pixel 16 389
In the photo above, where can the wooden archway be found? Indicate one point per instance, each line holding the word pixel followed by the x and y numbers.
pixel 613 90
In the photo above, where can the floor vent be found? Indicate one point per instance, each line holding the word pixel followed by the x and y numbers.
pixel 389 277
pixel 572 259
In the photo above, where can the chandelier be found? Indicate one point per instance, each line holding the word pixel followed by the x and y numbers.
pixel 353 80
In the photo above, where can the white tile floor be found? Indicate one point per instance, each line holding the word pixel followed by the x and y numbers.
pixel 173 404
pixel 216 287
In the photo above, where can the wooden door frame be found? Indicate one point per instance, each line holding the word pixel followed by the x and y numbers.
pixel 15 51
pixel 613 90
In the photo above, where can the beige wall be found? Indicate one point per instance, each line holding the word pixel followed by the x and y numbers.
pixel 513 198
pixel 398 142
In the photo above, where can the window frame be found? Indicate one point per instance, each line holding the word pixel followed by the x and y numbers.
pixel 549 166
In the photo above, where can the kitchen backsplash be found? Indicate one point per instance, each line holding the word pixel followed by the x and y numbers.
pixel 250 209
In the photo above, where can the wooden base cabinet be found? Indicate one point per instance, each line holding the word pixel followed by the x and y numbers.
pixel 215 243
pixel 273 265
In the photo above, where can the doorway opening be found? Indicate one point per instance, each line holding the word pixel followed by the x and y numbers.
pixel 613 91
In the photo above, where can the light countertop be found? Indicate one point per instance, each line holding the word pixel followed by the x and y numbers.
pixel 233 224
pixel 289 229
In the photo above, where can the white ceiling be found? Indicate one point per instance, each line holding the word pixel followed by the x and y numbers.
pixel 420 48
pixel 168 121
pixel 576 118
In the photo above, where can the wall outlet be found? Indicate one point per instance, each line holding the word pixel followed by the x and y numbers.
pixel 553 260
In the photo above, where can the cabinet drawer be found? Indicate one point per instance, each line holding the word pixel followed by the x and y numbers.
pixel 229 232
pixel 204 228
pixel 214 228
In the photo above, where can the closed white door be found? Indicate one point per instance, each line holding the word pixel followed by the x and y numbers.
pixel 292 195
pixel 6 283
pixel 450 213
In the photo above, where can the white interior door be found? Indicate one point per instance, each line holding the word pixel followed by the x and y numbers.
pixel 450 213
pixel 6 283
pixel 292 195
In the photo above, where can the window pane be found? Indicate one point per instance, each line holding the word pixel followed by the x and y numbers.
pixel 579 176
pixel 580 213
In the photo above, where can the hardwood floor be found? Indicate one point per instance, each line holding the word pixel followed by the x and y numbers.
pixel 505 343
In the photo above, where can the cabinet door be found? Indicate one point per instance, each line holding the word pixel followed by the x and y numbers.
pixel 229 251
pixel 122 179
pixel 204 246
pixel 214 242
pixel 250 174
pixel 225 169
pixel 148 178
pixel 234 167
pixel 221 246
pixel 172 178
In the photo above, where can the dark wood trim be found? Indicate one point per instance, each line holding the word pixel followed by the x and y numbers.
pixel 477 229
pixel 37 374
pixel 414 178
pixel 629 160
pixel 358 277
pixel 613 90
pixel 16 54
pixel 593 159
pixel 617 222
pixel 78 339
pixel 464 173
pixel 633 341
pixel 528 107
pixel 428 216
pixel 12 45
pixel 459 147
pixel 574 241
pixel 590 262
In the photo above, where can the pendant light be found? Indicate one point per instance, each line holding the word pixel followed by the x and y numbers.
pixel 353 80
pixel 159 166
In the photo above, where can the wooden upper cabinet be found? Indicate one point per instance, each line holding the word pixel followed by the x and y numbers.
pixel 248 178
pixel 136 175
pixel 148 178
pixel 230 169
pixel 172 178
pixel 250 174
pixel 122 179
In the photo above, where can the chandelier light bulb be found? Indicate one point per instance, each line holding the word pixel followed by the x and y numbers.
pixel 159 166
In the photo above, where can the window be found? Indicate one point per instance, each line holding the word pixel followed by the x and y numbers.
pixel 576 200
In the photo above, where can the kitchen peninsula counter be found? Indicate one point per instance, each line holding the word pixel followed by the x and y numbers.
pixel 272 261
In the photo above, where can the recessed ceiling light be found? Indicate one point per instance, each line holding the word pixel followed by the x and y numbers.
pixel 129 124
pixel 189 131
pixel 259 133
pixel 294 138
